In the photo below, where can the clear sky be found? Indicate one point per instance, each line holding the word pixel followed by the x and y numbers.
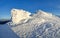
pixel 52 6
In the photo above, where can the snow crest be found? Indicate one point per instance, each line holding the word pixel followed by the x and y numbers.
pixel 40 25
pixel 18 15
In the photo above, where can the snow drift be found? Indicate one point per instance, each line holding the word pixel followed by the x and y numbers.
pixel 40 25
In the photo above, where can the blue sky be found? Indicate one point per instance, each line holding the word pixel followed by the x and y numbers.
pixel 52 6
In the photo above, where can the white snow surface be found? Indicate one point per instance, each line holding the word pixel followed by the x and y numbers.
pixel 18 15
pixel 40 25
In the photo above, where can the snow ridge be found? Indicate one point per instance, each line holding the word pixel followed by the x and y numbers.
pixel 18 15
pixel 40 25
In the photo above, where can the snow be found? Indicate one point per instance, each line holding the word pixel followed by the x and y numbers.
pixel 6 32
pixel 40 25
pixel 43 13
pixel 18 15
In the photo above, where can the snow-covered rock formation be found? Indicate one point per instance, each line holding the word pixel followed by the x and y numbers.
pixel 18 15
pixel 41 25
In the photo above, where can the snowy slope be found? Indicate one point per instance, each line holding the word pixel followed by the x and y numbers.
pixel 7 32
pixel 40 25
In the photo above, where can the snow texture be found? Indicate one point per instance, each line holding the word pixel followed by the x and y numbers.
pixel 40 25
pixel 18 15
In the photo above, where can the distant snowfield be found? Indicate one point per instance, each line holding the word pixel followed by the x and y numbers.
pixel 39 25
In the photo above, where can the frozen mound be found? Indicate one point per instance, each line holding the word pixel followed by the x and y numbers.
pixel 40 25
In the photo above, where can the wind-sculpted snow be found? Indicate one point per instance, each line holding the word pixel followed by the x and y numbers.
pixel 40 25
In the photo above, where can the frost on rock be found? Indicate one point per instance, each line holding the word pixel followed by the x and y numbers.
pixel 41 25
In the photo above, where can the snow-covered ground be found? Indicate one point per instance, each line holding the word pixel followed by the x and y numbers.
pixel 6 32
pixel 40 25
